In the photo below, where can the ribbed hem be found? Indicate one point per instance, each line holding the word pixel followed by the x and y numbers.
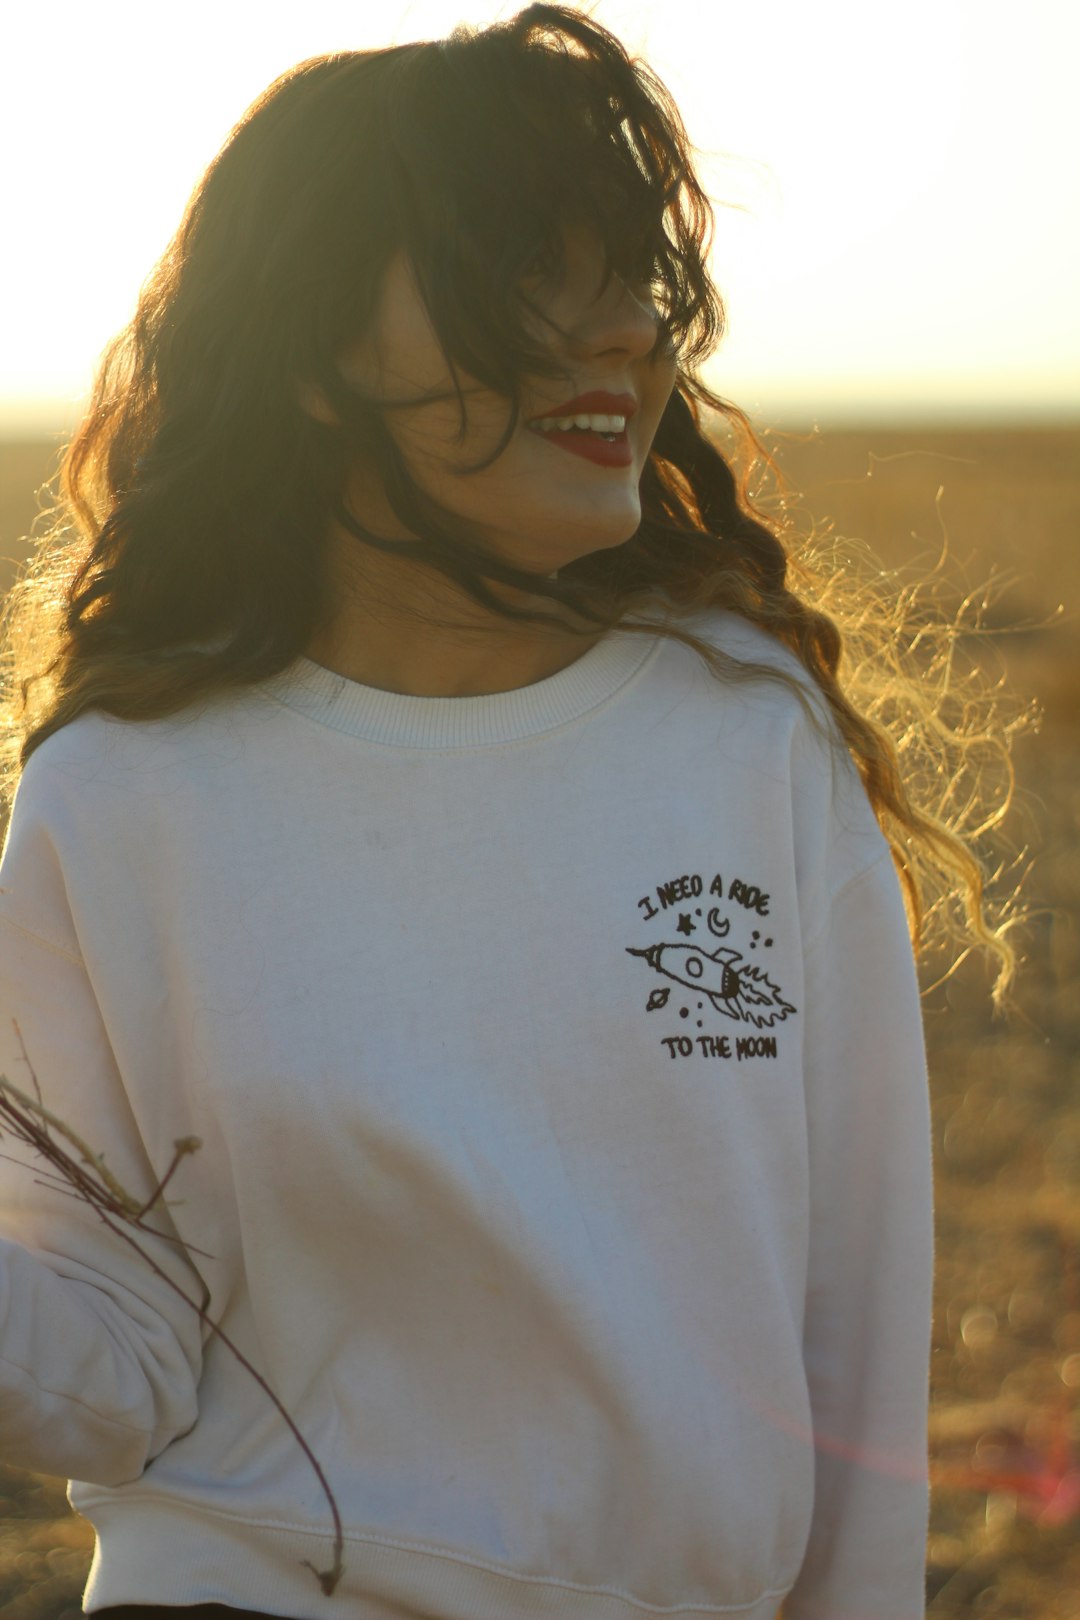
pixel 154 1552
pixel 401 720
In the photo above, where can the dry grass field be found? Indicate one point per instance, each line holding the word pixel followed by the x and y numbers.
pixel 1005 1374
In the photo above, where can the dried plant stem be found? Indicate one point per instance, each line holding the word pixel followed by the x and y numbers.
pixel 30 1121
pixel 328 1578
pixel 130 1206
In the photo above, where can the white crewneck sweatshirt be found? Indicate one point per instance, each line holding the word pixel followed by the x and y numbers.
pixel 557 1061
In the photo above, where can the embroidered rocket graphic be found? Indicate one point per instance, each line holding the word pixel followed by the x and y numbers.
pixel 737 988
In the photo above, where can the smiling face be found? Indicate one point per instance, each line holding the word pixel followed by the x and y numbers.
pixel 539 505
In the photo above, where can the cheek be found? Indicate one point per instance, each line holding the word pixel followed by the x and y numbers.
pixel 426 435
pixel 433 435
pixel 653 405
pixel 662 385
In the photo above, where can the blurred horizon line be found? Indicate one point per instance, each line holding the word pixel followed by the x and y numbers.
pixel 38 421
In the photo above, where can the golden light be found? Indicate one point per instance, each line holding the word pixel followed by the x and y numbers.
pixel 903 246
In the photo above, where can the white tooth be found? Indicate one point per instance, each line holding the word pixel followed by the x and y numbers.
pixel 595 422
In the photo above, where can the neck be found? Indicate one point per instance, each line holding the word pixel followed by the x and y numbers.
pixel 403 627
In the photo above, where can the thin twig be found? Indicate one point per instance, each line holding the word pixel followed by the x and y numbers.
pixel 22 1116
pixel 29 1120
pixel 327 1579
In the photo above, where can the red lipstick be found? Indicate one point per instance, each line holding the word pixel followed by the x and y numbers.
pixel 615 451
pixel 597 402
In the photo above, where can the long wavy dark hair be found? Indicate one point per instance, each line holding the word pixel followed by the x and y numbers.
pixel 189 551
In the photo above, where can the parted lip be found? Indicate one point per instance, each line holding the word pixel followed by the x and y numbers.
pixel 597 402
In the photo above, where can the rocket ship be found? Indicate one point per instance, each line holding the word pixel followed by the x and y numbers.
pixel 738 989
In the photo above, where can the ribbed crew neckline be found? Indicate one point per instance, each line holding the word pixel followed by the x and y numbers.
pixel 402 720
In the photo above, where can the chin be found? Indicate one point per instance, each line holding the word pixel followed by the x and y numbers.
pixel 616 532
pixel 552 563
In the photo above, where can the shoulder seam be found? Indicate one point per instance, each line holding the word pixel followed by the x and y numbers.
pixel 46 944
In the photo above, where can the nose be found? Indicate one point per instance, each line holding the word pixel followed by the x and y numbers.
pixel 618 322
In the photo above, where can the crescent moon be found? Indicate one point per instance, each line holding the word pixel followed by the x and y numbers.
pixel 719 928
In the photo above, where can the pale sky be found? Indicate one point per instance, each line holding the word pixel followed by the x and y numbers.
pixel 909 245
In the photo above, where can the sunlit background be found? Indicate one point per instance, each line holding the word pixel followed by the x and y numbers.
pixel 901 266
pixel 903 244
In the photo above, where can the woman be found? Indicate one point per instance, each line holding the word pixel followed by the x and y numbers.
pixel 450 816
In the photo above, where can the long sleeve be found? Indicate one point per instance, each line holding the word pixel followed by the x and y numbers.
pixel 568 1181
pixel 99 1358
pixel 869 1291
